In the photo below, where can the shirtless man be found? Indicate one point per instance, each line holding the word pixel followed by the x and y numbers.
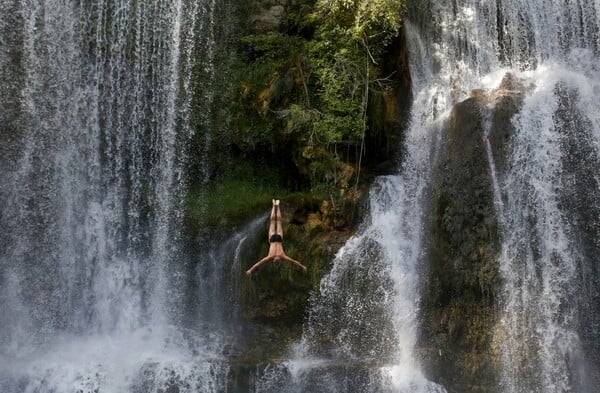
pixel 276 252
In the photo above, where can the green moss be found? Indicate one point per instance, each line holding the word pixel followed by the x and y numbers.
pixel 241 191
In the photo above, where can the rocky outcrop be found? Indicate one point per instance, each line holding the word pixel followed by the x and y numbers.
pixel 268 15
pixel 463 279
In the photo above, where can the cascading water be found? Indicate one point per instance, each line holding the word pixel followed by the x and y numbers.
pixel 95 118
pixel 361 331
pixel 550 225
pixel 547 191
pixel 362 328
pixel 96 122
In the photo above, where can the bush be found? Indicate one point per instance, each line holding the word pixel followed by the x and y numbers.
pixel 308 94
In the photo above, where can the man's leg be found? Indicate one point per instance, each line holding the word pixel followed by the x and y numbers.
pixel 273 221
pixel 278 228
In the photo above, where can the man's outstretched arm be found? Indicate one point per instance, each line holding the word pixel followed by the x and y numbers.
pixel 295 262
pixel 257 264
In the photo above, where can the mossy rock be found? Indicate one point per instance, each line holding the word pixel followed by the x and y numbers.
pixel 463 280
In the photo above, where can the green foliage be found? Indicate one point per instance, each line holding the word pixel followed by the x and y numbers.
pixel 380 18
pixel 239 191
pixel 365 19
pixel 310 92
pixel 273 46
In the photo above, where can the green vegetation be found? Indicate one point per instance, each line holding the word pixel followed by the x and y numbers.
pixel 242 190
pixel 294 112
pixel 305 90
pixel 294 108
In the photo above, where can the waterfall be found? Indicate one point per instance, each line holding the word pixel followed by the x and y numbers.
pixel 361 330
pixel 98 103
pixel 547 193
pixel 96 120
pixel 550 227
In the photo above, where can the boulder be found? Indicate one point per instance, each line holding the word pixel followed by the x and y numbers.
pixel 268 19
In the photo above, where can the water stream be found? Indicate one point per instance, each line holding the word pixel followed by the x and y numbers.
pixel 97 128
pixel 367 307
pixel 547 194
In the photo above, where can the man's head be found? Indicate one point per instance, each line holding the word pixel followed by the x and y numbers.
pixel 276 260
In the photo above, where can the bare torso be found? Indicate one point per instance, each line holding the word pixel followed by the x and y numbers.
pixel 276 250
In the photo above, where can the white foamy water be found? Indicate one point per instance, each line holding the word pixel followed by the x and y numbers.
pixel 540 258
pixel 553 46
pixel 369 302
pixel 91 267
pixel 143 360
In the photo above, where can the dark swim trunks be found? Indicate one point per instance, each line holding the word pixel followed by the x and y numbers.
pixel 275 238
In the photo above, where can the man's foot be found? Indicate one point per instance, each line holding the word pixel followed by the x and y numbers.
pixel 276 202
pixel 273 202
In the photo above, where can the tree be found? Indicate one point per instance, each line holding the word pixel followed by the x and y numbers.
pixel 335 68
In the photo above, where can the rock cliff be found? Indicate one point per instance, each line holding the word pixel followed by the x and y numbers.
pixel 462 281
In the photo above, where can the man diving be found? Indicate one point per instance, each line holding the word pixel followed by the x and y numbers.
pixel 276 252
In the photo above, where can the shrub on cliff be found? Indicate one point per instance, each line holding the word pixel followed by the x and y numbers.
pixel 304 91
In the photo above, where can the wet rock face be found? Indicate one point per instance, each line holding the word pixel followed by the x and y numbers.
pixel 505 102
pixel 463 279
pixel 580 198
pixel 269 14
pixel 354 322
